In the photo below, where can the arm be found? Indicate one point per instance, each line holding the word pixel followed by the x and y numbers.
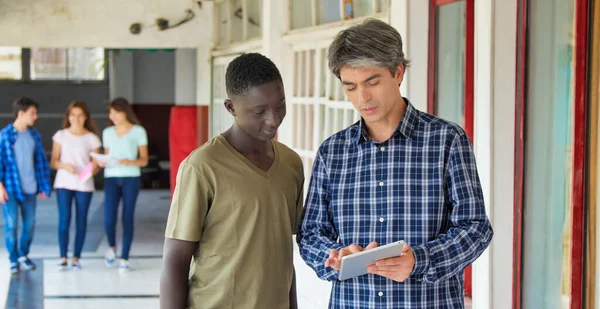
pixel 470 230
pixel 42 167
pixel 96 166
pixel 317 234
pixel 3 192
pixel 177 255
pixel 293 294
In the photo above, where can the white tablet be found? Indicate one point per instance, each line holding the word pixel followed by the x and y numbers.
pixel 356 264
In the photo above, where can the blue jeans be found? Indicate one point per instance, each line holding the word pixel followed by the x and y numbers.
pixel 11 218
pixel 82 205
pixel 116 188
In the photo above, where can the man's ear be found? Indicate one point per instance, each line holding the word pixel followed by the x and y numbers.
pixel 229 106
pixel 400 73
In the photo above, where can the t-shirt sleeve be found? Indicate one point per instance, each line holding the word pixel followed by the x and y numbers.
pixel 105 138
pixel 94 141
pixel 190 203
pixel 300 198
pixel 142 137
pixel 58 137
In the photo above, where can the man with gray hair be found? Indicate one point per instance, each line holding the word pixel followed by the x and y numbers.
pixel 397 174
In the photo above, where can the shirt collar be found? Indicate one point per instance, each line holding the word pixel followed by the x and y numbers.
pixel 406 127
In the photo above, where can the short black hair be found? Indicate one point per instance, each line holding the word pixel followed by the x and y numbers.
pixel 247 71
pixel 23 104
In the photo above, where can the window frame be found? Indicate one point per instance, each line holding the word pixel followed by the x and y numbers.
pixel 26 73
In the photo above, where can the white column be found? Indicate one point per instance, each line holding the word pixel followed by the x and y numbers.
pixel 185 76
pixel 417 51
pixel 203 75
pixel 495 78
pixel 275 22
pixel 483 140
pixel 399 19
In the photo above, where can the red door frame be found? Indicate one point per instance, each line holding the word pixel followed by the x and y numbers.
pixel 469 78
pixel 469 61
pixel 578 189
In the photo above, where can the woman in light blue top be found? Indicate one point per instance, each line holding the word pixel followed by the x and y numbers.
pixel 127 142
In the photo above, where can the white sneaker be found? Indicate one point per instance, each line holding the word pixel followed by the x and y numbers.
pixel 124 266
pixel 75 266
pixel 110 258
pixel 62 265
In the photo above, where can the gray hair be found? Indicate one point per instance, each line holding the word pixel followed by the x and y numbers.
pixel 370 44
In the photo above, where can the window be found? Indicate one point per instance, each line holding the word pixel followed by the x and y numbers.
pixel 238 20
pixel 451 62
pixel 71 64
pixel 552 110
pixel 319 107
pixel 10 63
pixel 319 12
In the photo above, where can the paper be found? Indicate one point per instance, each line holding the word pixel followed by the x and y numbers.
pixel 87 172
pixel 106 159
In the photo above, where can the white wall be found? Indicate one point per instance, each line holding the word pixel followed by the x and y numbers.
pixel 185 76
pixel 417 47
pixel 102 23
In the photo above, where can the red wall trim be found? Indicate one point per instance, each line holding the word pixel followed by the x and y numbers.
pixel 579 150
pixel 442 2
pixel 521 85
pixel 469 68
pixel 431 70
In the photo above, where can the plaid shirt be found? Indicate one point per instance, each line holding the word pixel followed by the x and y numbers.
pixel 9 174
pixel 420 186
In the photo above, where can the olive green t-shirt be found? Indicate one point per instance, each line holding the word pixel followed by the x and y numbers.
pixel 244 219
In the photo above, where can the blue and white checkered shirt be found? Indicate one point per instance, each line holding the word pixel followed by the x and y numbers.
pixel 9 174
pixel 420 186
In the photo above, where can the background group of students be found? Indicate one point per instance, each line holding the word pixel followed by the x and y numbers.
pixel 125 143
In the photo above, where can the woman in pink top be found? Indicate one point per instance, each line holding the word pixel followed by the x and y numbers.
pixel 74 177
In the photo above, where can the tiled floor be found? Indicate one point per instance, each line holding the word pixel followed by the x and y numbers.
pixel 95 285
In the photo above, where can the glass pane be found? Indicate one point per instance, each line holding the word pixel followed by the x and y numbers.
pixel 48 64
pixel 86 64
pixel 254 21
pixel 362 8
pixel 10 63
pixel 450 62
pixel 328 11
pixel 236 21
pixel 223 20
pixel 384 5
pixel 548 159
pixel 301 14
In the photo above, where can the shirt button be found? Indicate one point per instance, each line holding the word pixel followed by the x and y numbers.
pixel 381 183
pixel 381 219
pixel 380 293
pixel 382 148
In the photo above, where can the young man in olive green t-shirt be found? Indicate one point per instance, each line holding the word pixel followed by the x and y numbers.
pixel 237 204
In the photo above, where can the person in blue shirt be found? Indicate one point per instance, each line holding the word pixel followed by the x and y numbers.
pixel 24 175
pixel 396 174
pixel 126 141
